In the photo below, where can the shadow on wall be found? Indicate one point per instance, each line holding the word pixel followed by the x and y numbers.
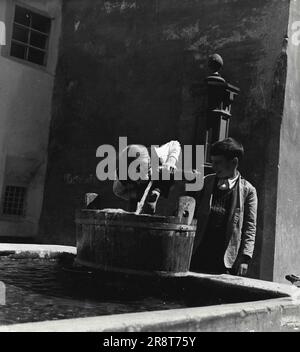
pixel 123 73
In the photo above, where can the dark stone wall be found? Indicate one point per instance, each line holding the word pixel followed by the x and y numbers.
pixel 125 68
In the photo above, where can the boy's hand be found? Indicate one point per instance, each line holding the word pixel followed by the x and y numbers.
pixel 170 165
pixel 242 269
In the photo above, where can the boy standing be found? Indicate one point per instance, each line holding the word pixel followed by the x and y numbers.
pixel 226 214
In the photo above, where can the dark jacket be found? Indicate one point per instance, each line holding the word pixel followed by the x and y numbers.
pixel 241 225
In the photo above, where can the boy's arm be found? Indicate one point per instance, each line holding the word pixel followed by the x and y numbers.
pixel 125 192
pixel 249 226
pixel 173 153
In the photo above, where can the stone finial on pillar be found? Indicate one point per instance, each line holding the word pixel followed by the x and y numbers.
pixel 215 64
pixel 216 96
pixel 220 96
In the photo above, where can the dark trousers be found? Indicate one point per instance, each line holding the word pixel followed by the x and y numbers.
pixel 209 256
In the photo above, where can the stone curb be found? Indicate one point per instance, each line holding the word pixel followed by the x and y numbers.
pixel 278 314
pixel 32 251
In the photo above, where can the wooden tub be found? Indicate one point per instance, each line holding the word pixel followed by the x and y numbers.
pixel 114 240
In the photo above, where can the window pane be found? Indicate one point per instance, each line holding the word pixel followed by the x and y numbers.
pixel 14 200
pixel 41 23
pixel 36 35
pixel 20 33
pixel 22 16
pixel 38 40
pixel 36 56
pixel 18 50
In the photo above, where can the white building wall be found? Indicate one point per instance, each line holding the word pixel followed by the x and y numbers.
pixel 25 113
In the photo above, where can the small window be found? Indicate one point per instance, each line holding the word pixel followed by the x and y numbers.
pixel 30 36
pixel 14 200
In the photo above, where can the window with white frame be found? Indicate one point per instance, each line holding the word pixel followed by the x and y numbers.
pixel 30 36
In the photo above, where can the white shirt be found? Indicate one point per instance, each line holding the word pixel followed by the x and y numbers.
pixel 228 183
pixel 169 152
